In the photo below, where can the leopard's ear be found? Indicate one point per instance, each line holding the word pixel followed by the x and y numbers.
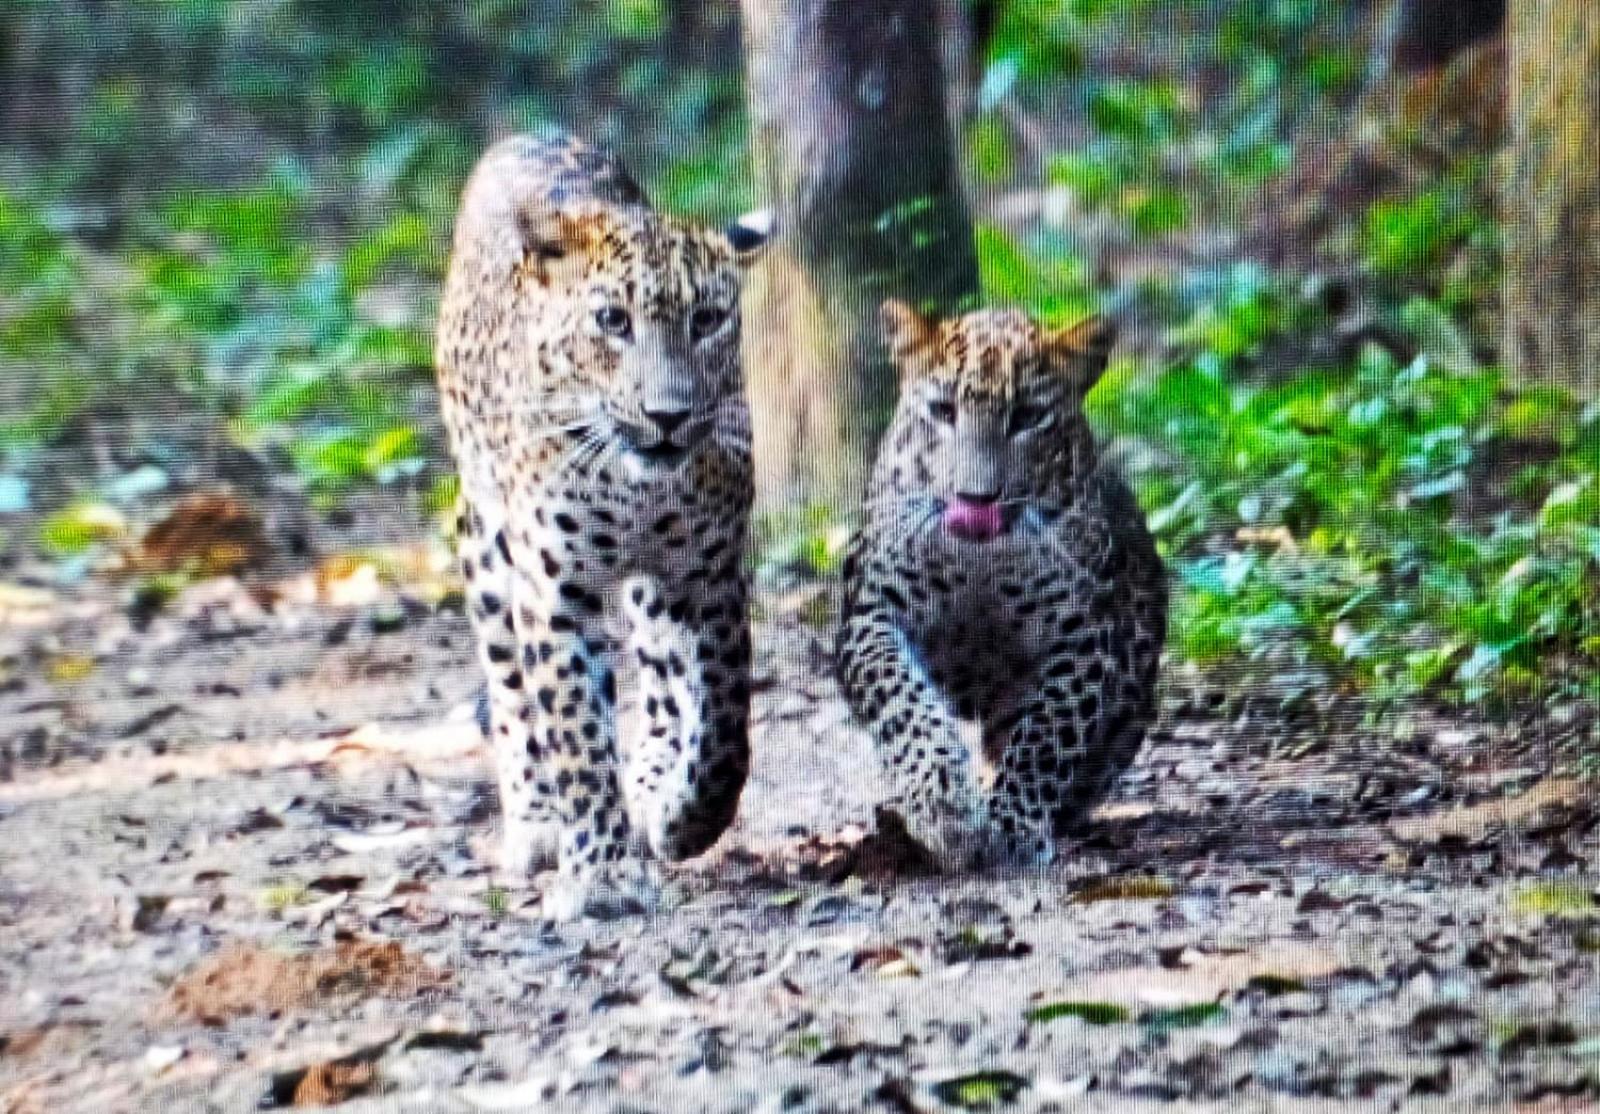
pixel 554 241
pixel 1080 351
pixel 750 234
pixel 907 333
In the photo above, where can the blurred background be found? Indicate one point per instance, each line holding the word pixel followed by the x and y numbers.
pixel 1352 248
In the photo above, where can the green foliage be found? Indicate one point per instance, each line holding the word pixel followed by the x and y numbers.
pixel 1329 524
pixel 1140 112
pixel 74 529
pixel 251 212
pixel 1034 40
pixel 1238 311
pixel 1401 525
pixel 222 301
pixel 1183 1017
pixel 41 296
pixel 983 1090
pixel 245 210
pixel 1195 129
pixel 1092 1013
pixel 1409 237
pixel 810 540
pixel 1562 900
pixel 1041 274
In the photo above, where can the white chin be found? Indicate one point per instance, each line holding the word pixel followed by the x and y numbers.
pixel 639 466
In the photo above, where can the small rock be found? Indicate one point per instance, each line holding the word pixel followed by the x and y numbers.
pixel 159 1057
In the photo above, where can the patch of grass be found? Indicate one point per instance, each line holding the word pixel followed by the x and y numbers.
pixel 1184 1017
pixel 805 1046
pixel 1556 899
pixel 73 530
pixel 984 1090
pixel 281 896
pixel 1092 1013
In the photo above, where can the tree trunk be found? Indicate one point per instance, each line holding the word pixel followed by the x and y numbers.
pixel 1428 34
pixel 852 145
pixel 1552 198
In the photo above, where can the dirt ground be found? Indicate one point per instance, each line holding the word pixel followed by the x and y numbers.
pixel 244 864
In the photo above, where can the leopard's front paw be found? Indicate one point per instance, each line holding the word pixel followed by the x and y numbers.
pixel 527 845
pixel 955 835
pixel 1019 841
pixel 605 892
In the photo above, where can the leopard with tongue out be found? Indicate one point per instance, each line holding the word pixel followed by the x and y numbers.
pixel 1004 586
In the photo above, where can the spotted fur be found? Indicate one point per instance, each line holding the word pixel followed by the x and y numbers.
pixel 588 365
pixel 1005 579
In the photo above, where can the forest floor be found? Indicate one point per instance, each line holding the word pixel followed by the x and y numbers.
pixel 244 862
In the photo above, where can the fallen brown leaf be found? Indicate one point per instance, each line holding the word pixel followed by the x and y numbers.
pixel 206 534
pixel 332 1083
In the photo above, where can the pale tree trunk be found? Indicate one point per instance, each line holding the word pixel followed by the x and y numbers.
pixel 1552 198
pixel 853 148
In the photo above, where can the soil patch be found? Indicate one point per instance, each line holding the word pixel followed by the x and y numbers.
pixel 244 979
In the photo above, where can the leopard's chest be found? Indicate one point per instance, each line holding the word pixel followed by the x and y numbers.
pixel 986 613
pixel 679 526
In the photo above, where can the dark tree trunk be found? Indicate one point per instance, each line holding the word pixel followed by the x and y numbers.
pixel 1552 194
pixel 853 147
pixel 1428 34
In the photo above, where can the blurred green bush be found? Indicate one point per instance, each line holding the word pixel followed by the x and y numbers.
pixel 243 211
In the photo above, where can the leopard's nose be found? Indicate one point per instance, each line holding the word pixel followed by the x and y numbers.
pixel 667 421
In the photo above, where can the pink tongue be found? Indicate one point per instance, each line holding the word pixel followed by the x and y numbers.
pixel 977 522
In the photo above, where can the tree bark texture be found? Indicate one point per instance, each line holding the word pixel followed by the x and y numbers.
pixel 1428 34
pixel 853 147
pixel 1552 194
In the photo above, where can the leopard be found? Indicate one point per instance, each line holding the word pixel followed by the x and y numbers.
pixel 1004 604
pixel 592 393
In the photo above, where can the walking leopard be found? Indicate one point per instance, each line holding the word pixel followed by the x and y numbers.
pixel 1005 578
pixel 588 367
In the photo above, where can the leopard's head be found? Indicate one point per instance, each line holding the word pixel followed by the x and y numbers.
pixel 989 430
pixel 635 317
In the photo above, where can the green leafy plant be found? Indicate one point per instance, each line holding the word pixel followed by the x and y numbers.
pixel 1323 520
pixel 984 1090
pixel 1093 1013
pixel 1183 1017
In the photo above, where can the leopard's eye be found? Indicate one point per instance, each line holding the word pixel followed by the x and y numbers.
pixel 706 321
pixel 943 411
pixel 613 321
pixel 1025 417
